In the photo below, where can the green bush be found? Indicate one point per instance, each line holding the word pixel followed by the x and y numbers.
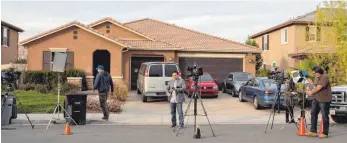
pixel 65 88
pixel 41 88
pixel 79 73
pixel 27 87
pixel 263 73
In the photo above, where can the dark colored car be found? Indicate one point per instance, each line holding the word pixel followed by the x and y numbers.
pixel 261 92
pixel 234 81
pixel 207 86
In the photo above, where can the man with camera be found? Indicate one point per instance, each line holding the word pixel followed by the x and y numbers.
pixel 176 94
pixel 321 102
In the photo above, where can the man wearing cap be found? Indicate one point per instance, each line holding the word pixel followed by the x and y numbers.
pixel 103 82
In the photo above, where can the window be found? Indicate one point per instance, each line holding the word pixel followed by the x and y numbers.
pixel 5 37
pixel 241 77
pixel 169 69
pixel 270 83
pixel 48 59
pixel 284 36
pixel 273 64
pixel 230 77
pixel 156 71
pixel 265 46
pixel 206 77
pixel 312 33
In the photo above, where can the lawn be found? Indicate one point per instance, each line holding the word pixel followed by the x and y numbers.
pixel 35 102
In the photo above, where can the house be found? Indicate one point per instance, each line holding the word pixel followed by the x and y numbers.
pixel 9 42
pixel 286 44
pixel 122 47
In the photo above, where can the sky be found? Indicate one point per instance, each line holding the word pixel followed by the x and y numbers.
pixel 234 20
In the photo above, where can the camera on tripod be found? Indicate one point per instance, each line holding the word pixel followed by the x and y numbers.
pixel 195 71
pixel 279 76
pixel 10 78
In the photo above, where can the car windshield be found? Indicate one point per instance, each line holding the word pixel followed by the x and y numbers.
pixel 241 77
pixel 206 77
pixel 269 83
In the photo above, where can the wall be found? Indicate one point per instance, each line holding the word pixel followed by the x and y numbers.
pixel 249 67
pixel 9 54
pixel 127 60
pixel 279 52
pixel 83 49
pixel 118 32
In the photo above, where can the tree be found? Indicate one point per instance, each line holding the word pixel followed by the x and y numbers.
pixel 258 58
pixel 331 49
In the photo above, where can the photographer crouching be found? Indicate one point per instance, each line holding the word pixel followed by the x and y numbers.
pixel 289 101
pixel 321 102
pixel 175 91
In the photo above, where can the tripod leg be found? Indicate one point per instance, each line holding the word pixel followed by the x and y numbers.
pixel 185 114
pixel 203 107
pixel 25 112
pixel 271 114
pixel 69 116
pixel 49 123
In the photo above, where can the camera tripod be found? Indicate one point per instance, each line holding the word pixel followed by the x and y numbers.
pixel 276 103
pixel 195 97
pixel 10 90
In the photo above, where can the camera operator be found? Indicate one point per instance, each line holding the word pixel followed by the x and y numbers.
pixel 175 91
pixel 321 102
pixel 289 101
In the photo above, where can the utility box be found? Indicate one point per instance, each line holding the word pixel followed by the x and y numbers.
pixel 76 106
pixel 8 108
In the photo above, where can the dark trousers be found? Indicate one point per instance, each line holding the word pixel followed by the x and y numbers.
pixel 103 103
pixel 289 111
pixel 173 107
pixel 323 107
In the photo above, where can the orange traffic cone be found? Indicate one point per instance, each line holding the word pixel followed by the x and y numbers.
pixel 67 129
pixel 321 126
pixel 302 129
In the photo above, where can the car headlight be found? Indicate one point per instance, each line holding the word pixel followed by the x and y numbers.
pixel 215 87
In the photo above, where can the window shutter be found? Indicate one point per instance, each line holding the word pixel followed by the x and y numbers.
pixel 69 61
pixel 8 37
pixel 2 36
pixel 318 33
pixel 268 40
pixel 262 41
pixel 46 62
pixel 307 37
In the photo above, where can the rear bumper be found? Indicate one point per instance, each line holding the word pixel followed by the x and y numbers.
pixel 339 109
pixel 155 94
pixel 210 92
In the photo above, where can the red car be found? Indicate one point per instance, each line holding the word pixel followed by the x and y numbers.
pixel 208 86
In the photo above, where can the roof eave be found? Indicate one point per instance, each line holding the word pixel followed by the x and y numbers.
pixel 280 26
pixel 12 26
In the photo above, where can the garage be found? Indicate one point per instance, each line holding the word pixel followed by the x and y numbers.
pixel 217 67
pixel 136 62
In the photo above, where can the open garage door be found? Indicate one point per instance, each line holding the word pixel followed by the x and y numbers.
pixel 219 68
pixel 135 66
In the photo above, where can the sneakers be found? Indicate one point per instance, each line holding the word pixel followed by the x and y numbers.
pixel 323 136
pixel 173 125
pixel 104 118
pixel 311 134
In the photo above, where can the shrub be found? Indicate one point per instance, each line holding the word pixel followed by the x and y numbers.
pixel 20 61
pixel 27 87
pixel 263 73
pixel 120 91
pixel 93 104
pixel 65 88
pixel 78 73
pixel 41 88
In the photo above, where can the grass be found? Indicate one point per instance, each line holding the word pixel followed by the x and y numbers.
pixel 36 102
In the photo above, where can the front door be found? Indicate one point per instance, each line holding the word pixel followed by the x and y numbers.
pixel 101 57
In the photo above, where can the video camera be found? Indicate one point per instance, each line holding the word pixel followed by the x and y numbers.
pixel 279 76
pixel 9 77
pixel 195 71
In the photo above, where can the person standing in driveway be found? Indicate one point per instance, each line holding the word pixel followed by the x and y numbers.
pixel 175 91
pixel 103 82
pixel 321 102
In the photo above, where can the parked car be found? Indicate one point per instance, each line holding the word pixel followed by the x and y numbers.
pixel 153 78
pixel 338 106
pixel 207 86
pixel 234 81
pixel 261 91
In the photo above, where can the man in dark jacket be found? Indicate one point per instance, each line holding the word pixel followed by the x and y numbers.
pixel 103 82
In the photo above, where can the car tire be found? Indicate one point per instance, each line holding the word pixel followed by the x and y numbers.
pixel 189 95
pixel 240 97
pixel 216 96
pixel 144 98
pixel 339 119
pixel 223 89
pixel 256 103
pixel 138 92
pixel 233 93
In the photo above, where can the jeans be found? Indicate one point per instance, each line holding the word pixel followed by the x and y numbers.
pixel 173 107
pixel 323 107
pixel 289 111
pixel 103 103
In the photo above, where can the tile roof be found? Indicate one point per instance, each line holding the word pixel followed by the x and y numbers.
pixel 73 23
pixel 148 45
pixel 188 40
pixel 11 26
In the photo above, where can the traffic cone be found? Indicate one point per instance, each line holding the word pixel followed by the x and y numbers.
pixel 67 129
pixel 302 129
pixel 321 126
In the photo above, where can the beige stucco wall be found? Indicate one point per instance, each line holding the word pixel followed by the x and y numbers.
pixel 118 32
pixel 279 52
pixel 83 49
pixel 9 54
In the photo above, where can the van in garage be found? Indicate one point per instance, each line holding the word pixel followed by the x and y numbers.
pixel 153 78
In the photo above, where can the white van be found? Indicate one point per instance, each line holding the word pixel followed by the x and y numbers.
pixel 153 78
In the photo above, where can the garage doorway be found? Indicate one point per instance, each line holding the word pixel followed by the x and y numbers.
pixel 136 62
pixel 219 68
pixel 101 57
